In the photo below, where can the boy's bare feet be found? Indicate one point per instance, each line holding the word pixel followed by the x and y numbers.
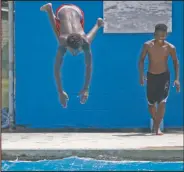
pixel 46 7
pixel 159 133
pixel 100 22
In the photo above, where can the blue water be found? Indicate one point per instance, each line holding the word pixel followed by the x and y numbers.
pixel 81 164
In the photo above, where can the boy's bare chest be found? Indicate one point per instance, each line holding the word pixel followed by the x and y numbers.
pixel 158 52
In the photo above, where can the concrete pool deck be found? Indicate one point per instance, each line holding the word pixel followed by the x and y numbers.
pixel 104 146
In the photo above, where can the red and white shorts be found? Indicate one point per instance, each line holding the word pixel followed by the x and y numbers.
pixel 71 6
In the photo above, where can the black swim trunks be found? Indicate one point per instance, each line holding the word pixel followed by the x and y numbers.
pixel 158 87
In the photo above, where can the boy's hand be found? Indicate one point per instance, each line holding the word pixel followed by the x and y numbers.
pixel 63 99
pixel 142 79
pixel 177 84
pixel 84 94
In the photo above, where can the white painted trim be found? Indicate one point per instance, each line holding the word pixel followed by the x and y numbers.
pixel 165 100
pixel 4 9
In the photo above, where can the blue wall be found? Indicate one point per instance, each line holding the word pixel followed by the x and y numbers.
pixel 116 99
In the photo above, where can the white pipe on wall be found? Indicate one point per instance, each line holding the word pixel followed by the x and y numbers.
pixel 11 63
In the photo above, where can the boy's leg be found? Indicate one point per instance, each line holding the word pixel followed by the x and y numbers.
pixel 91 35
pixel 52 17
pixel 153 112
pixel 151 97
pixel 163 92
pixel 160 115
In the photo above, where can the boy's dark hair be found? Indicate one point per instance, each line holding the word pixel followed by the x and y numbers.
pixel 74 40
pixel 161 27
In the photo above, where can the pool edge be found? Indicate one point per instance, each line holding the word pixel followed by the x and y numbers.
pixel 110 155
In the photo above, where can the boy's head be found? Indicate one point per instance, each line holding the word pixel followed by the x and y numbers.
pixel 74 43
pixel 160 32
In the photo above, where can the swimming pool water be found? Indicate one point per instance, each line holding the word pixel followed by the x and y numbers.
pixel 81 164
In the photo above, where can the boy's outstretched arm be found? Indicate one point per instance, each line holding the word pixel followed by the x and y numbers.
pixel 57 67
pixel 88 74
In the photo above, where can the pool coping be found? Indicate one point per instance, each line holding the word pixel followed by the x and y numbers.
pixel 101 146
pixel 147 154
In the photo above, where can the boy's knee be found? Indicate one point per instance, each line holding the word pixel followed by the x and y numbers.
pixel 152 108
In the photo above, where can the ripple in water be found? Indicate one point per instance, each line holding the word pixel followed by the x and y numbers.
pixel 84 164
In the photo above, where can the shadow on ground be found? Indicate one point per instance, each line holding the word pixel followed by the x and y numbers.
pixel 139 131
pixel 133 135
